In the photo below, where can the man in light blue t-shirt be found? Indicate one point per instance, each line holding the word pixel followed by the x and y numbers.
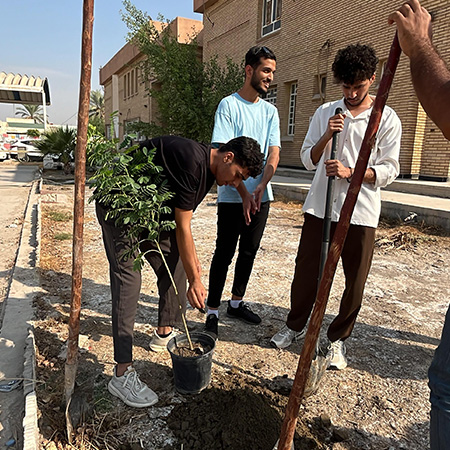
pixel 242 212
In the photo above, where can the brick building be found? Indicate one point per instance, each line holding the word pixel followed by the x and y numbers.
pixel 305 35
pixel 125 88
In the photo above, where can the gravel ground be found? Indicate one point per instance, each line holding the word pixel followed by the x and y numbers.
pixel 379 402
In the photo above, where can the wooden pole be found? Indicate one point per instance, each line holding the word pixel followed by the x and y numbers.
pixel 78 219
pixel 312 334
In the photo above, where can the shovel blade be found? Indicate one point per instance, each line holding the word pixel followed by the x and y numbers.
pixel 276 445
pixel 319 365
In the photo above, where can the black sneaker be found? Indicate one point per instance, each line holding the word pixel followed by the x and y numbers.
pixel 244 313
pixel 212 326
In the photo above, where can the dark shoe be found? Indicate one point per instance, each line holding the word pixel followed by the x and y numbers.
pixel 244 313
pixel 212 326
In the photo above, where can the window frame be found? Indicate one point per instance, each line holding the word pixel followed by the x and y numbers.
pixel 381 67
pixel 319 89
pixel 272 24
pixel 130 83
pixel 293 88
pixel 271 95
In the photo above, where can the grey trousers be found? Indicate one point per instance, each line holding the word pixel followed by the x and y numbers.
pixel 125 283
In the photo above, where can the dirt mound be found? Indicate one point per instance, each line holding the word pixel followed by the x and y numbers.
pixel 234 414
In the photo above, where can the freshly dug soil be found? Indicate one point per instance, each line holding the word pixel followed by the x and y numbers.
pixel 186 352
pixel 237 413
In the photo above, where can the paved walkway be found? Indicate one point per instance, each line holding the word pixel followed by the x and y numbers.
pixel 18 407
pixel 427 201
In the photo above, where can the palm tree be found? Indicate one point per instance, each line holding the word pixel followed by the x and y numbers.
pixel 60 142
pixel 97 104
pixel 31 112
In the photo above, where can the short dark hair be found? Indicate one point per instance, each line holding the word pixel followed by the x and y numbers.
pixel 254 55
pixel 354 63
pixel 247 153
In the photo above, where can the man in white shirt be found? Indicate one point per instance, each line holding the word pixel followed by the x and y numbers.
pixel 354 69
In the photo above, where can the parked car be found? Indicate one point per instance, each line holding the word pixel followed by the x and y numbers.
pixel 24 150
pixel 4 154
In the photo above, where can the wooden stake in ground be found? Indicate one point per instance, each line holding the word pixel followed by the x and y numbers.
pixel 312 334
pixel 78 219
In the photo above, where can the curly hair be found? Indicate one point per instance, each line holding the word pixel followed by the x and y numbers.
pixel 354 63
pixel 247 153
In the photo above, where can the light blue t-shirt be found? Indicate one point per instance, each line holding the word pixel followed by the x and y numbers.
pixel 237 117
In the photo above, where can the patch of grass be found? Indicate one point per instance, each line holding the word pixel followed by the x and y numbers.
pixel 60 216
pixel 62 236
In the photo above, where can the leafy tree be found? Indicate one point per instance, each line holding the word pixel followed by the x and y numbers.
pixel 187 90
pixel 98 124
pixel 134 189
pixel 31 112
pixel 97 104
pixel 60 142
pixel 97 110
pixel 33 133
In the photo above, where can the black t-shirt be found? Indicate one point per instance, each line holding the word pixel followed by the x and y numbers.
pixel 186 165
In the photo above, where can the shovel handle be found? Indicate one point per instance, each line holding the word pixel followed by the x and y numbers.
pixel 328 206
pixel 312 334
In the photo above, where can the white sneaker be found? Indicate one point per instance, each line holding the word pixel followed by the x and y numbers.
pixel 131 390
pixel 285 337
pixel 336 355
pixel 159 344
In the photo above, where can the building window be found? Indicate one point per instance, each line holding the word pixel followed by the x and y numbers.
pixel 135 135
pixel 380 72
pixel 320 85
pixel 271 16
pixel 292 104
pixel 270 96
pixel 130 84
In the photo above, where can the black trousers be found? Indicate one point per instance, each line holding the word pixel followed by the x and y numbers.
pixel 126 282
pixel 231 227
pixel 356 261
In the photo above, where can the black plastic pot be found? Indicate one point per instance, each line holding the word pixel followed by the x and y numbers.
pixel 191 374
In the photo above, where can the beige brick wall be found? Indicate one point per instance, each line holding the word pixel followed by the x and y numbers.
pixel 135 107
pixel 311 32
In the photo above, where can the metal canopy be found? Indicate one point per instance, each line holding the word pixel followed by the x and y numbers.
pixel 24 89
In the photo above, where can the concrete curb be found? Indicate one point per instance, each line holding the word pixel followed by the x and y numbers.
pixel 398 203
pixel 16 334
pixel 428 215
pixel 31 435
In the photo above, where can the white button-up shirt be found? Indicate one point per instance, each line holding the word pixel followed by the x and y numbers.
pixel 383 160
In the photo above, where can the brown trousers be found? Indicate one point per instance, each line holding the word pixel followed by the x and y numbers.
pixel 356 260
pixel 126 283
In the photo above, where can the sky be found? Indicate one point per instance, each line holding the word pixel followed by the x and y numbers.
pixel 43 38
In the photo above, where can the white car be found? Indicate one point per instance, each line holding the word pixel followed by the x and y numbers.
pixel 24 150
pixel 4 154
